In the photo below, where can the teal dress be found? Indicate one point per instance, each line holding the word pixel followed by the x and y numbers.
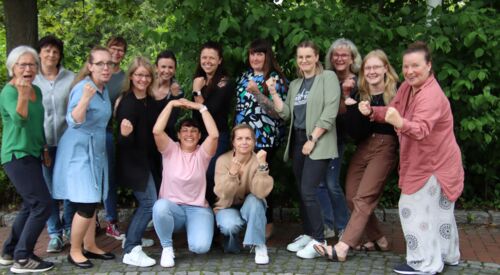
pixel 81 169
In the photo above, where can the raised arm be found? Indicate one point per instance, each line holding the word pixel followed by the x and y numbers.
pixel 160 136
pixel 79 112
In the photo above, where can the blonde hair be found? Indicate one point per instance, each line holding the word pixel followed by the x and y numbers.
pixel 348 44
pixel 240 127
pixel 390 78
pixel 319 66
pixel 137 62
pixel 84 71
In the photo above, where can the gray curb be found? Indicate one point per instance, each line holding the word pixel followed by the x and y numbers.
pixel 474 217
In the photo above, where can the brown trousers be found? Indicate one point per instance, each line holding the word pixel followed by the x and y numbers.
pixel 369 168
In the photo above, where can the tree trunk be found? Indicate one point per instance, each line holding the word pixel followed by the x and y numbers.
pixel 21 23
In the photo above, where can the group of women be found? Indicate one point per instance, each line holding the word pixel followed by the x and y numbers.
pixel 185 177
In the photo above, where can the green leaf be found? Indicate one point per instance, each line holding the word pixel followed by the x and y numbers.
pixel 402 31
pixel 481 75
pixel 478 52
pixel 469 39
pixel 223 26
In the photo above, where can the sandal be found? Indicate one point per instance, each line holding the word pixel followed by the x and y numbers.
pixel 332 256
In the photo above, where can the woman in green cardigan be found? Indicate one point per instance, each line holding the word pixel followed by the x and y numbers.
pixel 311 106
pixel 23 142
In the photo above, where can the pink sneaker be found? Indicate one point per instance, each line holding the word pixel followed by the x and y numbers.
pixel 112 231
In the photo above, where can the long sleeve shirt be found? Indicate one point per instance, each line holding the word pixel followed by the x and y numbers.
pixel 233 189
pixel 427 142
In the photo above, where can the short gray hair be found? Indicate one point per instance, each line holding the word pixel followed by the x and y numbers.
pixel 356 56
pixel 16 53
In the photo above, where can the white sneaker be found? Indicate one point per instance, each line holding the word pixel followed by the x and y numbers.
pixel 167 257
pixel 328 232
pixel 137 257
pixel 144 242
pixel 308 252
pixel 261 254
pixel 298 243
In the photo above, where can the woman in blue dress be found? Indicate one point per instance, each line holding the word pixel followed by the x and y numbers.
pixel 81 169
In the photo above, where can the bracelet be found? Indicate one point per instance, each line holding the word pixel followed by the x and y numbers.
pixel 196 93
pixel 203 109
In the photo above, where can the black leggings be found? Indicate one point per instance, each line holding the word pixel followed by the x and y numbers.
pixel 85 210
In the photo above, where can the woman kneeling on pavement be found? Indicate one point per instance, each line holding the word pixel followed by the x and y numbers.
pixel 242 182
pixel 182 200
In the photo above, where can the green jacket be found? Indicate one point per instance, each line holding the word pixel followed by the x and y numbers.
pixel 321 111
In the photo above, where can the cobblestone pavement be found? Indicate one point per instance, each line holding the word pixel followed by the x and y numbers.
pixel 282 262
pixel 479 245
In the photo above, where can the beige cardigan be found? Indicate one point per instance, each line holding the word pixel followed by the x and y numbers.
pixel 232 190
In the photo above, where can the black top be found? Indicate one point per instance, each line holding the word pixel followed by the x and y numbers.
pixel 137 154
pixel 359 126
pixel 174 115
pixel 219 104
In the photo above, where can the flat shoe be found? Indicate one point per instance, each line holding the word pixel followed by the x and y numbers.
pixel 380 248
pixel 84 265
pixel 105 256
pixel 333 257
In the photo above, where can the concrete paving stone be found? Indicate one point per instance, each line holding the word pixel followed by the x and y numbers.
pixel 478 217
pixel 494 217
pixel 164 273
pixel 130 273
pixel 492 265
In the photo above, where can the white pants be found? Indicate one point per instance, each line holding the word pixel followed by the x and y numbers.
pixel 429 228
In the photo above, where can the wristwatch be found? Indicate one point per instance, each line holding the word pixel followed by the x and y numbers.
pixel 196 93
pixel 311 138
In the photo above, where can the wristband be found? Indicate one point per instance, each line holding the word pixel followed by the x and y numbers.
pixel 196 93
pixel 203 109
pixel 311 138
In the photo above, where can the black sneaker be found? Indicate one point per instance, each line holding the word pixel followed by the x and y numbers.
pixel 406 269
pixel 32 264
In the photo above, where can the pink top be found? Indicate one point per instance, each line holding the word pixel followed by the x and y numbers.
pixel 184 179
pixel 427 142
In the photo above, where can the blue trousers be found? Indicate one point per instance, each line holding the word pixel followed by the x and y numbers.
pixel 169 217
pixel 232 220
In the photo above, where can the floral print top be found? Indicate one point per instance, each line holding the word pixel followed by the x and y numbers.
pixel 257 110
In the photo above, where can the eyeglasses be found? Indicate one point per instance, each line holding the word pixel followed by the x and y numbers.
pixel 146 76
pixel 374 67
pixel 117 49
pixel 101 65
pixel 26 65
pixel 343 56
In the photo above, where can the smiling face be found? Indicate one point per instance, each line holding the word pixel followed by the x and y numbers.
pixel 341 59
pixel 117 53
pixel 416 69
pixel 257 61
pixel 210 60
pixel 50 56
pixel 166 69
pixel 374 71
pixel 188 137
pixel 243 141
pixel 306 60
pixel 25 68
pixel 141 79
pixel 99 69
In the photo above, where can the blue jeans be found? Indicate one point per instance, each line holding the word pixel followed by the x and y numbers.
pixel 142 215
pixel 110 201
pixel 335 202
pixel 169 217
pixel 55 225
pixel 222 147
pixel 231 220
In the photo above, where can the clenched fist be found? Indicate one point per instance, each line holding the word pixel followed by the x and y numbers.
pixel 126 127
pixel 393 117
